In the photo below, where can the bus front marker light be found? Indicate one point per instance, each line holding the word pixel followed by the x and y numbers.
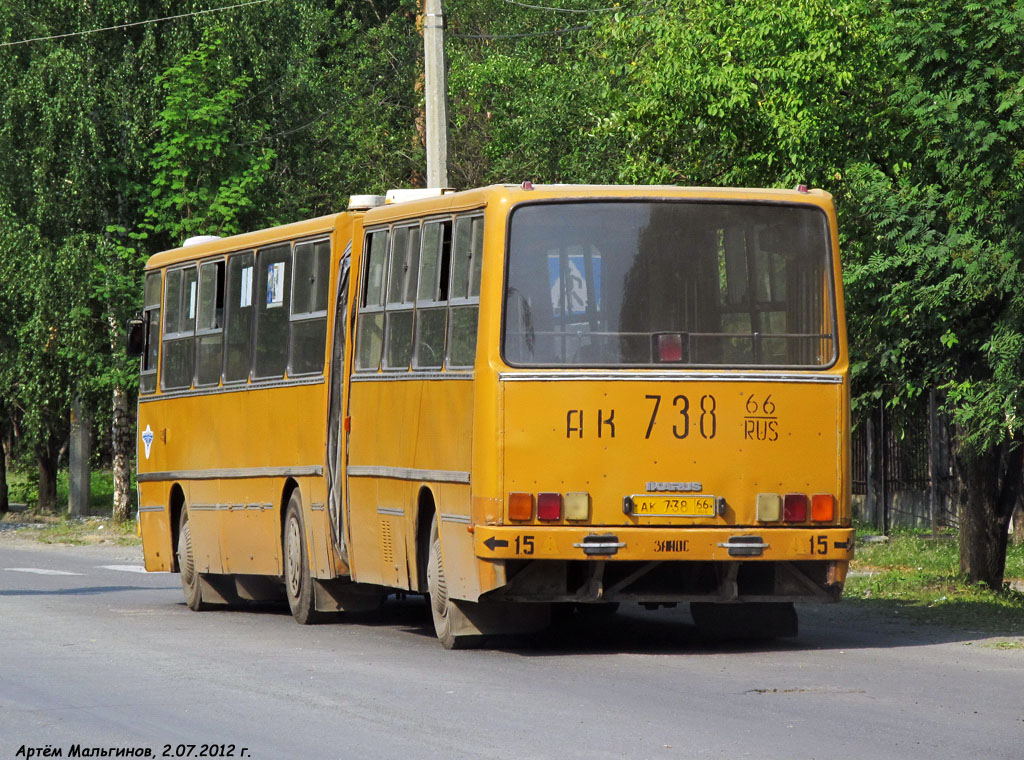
pixel 769 507
pixel 823 507
pixel 549 506
pixel 520 506
pixel 794 507
pixel 577 505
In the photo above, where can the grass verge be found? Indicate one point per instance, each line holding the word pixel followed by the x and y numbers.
pixel 48 528
pixel 916 578
pixel 34 524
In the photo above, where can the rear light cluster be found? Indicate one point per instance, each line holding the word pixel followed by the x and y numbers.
pixel 794 507
pixel 550 506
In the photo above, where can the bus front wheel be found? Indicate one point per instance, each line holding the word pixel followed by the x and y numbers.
pixel 297 581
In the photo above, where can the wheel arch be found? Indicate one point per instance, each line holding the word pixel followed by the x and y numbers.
pixel 426 507
pixel 175 503
pixel 290 486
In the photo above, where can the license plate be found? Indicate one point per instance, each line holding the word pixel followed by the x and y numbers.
pixel 673 506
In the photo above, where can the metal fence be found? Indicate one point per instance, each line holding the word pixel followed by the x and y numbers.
pixel 903 468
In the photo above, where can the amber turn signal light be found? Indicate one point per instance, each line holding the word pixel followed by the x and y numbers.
pixel 823 507
pixel 520 506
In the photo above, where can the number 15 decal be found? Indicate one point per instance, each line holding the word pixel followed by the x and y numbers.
pixel 819 544
pixel 524 546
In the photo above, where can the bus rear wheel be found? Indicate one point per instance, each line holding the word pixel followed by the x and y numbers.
pixel 187 564
pixel 298 583
pixel 442 608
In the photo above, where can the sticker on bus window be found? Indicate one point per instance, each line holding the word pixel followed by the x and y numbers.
pixel 245 298
pixel 575 290
pixel 275 285
pixel 192 300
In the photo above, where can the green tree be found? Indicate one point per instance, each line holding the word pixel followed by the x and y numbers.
pixel 116 144
pixel 206 166
pixel 936 261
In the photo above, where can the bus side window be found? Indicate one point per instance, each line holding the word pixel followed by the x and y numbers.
pixel 238 340
pixel 405 254
pixel 210 326
pixel 273 283
pixel 432 294
pixel 467 254
pixel 151 320
pixel 370 330
pixel 180 301
pixel 309 307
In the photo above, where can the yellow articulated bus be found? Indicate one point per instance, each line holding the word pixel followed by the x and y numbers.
pixel 510 399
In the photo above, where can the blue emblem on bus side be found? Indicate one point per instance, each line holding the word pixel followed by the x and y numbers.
pixel 147 439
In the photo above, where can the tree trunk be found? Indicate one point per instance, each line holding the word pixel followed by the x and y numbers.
pixel 990 484
pixel 46 459
pixel 4 504
pixel 121 444
pixel 1018 525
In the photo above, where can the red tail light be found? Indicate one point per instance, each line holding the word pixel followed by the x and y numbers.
pixel 794 507
pixel 549 506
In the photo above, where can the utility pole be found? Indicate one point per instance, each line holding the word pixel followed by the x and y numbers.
pixel 435 85
pixel 78 460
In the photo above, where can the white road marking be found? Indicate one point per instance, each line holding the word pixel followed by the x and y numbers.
pixel 123 568
pixel 39 571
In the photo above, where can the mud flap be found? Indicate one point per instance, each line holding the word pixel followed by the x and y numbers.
pixel 497 618
pixel 345 596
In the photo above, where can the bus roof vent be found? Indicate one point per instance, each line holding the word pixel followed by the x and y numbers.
pixel 414 194
pixel 199 240
pixel 364 202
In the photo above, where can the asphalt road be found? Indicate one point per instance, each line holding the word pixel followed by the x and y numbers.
pixel 96 654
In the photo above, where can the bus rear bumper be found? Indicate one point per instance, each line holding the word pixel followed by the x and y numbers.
pixel 665 566
pixel 624 543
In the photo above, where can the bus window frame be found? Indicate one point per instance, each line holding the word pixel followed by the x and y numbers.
pixel 835 287
pixel 178 335
pixel 408 304
pixel 363 309
pixel 434 303
pixel 437 300
pixel 229 313
pixel 203 332
pixel 470 300
pixel 148 308
pixel 262 308
pixel 307 317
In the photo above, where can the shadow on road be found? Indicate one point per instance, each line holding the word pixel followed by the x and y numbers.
pixel 76 591
pixel 865 625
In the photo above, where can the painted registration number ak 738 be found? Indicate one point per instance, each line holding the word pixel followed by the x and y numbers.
pixel 700 505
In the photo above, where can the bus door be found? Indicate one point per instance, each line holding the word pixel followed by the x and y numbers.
pixel 336 440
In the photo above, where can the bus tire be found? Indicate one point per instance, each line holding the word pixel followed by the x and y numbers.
pixel 443 610
pixel 190 583
pixel 298 584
